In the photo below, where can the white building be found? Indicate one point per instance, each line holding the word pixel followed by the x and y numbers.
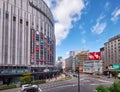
pixel 93 66
pixel 26 35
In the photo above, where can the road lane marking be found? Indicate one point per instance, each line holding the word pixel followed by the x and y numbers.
pixel 40 89
pixel 94 84
pixel 99 83
pixel 82 79
pixel 54 85
pixel 61 87
pixel 105 81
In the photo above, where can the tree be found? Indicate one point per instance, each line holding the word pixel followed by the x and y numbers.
pixel 26 78
pixel 101 88
pixel 114 73
pixel 115 87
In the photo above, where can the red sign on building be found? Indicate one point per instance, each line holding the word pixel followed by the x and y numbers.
pixel 94 56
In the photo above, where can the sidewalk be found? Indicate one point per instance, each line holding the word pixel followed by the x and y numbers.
pixel 112 79
pixel 56 78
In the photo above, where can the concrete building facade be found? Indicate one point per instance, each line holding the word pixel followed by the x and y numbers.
pixel 111 51
pixel 93 66
pixel 27 36
pixel 80 58
pixel 69 63
pixel 102 56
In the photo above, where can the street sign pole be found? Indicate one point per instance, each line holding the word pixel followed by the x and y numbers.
pixel 78 81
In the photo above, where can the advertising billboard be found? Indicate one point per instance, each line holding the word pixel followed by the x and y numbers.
pixel 116 66
pixel 94 56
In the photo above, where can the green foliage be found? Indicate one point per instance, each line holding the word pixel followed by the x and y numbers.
pixel 38 82
pixel 34 82
pixel 26 78
pixel 101 88
pixel 115 87
pixel 3 87
pixel 114 73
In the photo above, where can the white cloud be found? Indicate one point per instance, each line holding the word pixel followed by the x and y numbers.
pixel 87 3
pixel 67 53
pixel 48 3
pixel 83 41
pixel 99 28
pixel 98 40
pixel 83 32
pixel 52 3
pixel 107 6
pixel 100 17
pixel 115 15
pixel 80 27
pixel 65 12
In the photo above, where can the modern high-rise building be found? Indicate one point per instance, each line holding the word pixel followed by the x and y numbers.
pixel 111 51
pixel 59 59
pixel 27 36
pixel 72 53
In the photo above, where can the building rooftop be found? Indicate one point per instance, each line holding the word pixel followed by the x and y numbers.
pixel 114 38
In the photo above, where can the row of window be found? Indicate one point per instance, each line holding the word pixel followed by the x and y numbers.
pixel 14 19
pixel 21 22
pixel 42 53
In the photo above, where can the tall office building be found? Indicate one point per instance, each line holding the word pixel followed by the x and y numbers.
pixel 111 51
pixel 27 36
pixel 72 53
pixel 59 59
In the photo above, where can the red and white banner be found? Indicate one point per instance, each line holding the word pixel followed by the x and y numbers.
pixel 94 56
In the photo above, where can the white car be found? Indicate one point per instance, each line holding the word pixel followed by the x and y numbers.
pixel 37 87
pixel 27 87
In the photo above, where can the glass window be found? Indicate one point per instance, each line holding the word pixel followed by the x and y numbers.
pixel 7 15
pixel 14 18
pixel 21 21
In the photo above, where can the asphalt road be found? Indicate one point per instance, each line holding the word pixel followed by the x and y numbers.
pixel 87 84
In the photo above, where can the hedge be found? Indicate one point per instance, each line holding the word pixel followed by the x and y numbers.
pixel 115 87
pixel 38 82
pixel 3 87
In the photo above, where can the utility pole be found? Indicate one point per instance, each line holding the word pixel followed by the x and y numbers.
pixel 78 81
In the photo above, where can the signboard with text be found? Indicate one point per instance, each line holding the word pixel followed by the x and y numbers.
pixel 94 56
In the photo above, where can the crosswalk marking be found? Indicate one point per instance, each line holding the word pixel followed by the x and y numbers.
pixel 104 81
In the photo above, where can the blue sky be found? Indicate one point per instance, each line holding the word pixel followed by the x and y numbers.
pixel 84 24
